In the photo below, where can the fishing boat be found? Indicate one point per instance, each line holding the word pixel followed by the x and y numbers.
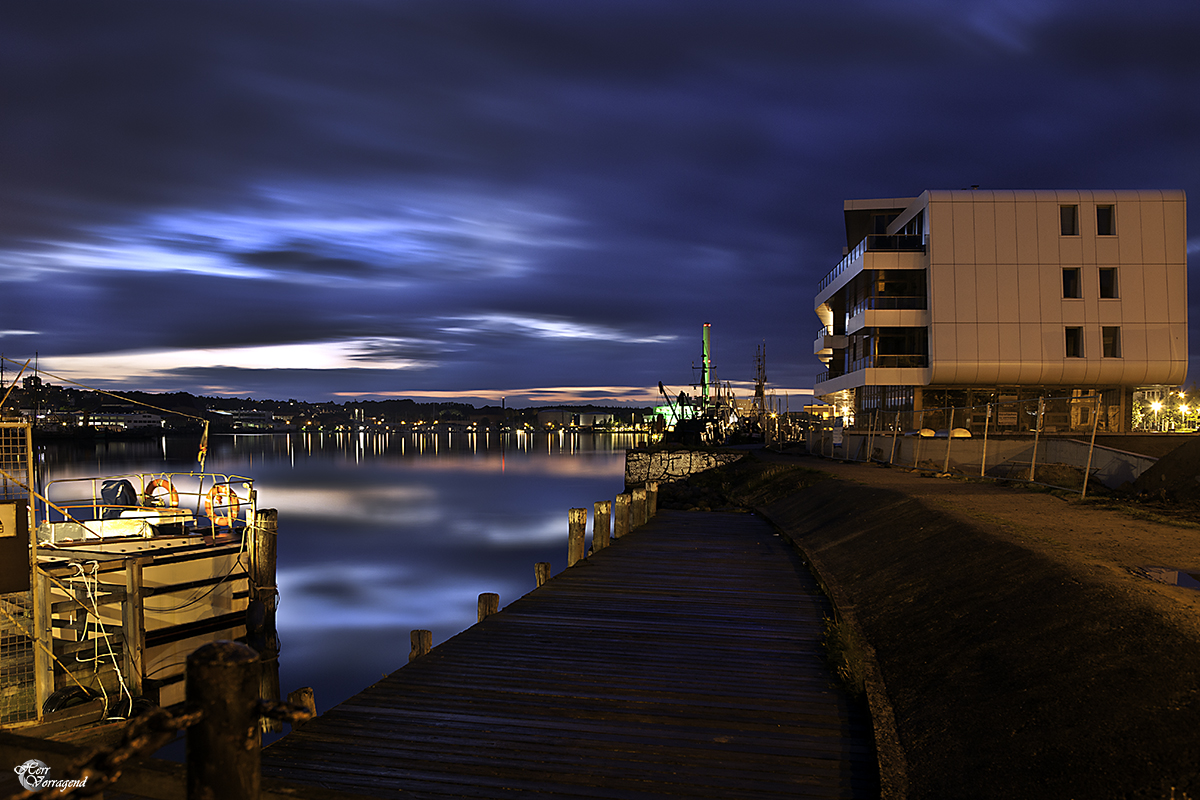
pixel 127 574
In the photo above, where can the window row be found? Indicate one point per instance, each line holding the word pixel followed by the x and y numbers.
pixel 1110 342
pixel 1073 282
pixel 1106 220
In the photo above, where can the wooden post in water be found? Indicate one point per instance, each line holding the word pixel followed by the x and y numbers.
pixel 133 627
pixel 601 524
pixel 651 499
pixel 262 564
pixel 621 515
pixel 541 572
pixel 489 603
pixel 422 643
pixel 637 508
pixel 224 748
pixel 576 530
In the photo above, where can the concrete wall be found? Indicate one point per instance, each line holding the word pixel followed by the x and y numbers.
pixel 667 466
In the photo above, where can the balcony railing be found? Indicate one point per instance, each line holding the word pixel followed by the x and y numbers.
pixel 914 244
pixel 888 302
pixel 889 362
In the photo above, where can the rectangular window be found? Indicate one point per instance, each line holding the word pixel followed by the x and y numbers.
pixel 1069 215
pixel 1074 342
pixel 1108 282
pixel 1071 282
pixel 1110 341
pixel 1106 220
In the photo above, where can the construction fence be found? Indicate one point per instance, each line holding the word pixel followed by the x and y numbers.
pixel 1048 441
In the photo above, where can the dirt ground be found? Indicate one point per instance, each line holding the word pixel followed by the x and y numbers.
pixel 1021 649
pixel 1106 540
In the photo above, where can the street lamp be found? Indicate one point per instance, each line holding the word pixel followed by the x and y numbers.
pixel 1156 407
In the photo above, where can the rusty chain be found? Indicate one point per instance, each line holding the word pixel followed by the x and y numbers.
pixel 143 735
pixel 283 711
pixel 101 766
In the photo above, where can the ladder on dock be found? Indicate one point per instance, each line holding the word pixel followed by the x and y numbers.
pixel 684 660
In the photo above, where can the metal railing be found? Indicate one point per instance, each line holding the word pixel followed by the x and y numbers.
pixel 225 500
pixel 874 242
pixel 889 362
pixel 888 303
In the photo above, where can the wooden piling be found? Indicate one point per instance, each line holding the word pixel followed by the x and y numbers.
pixel 601 524
pixel 268 683
pixel 577 528
pixel 541 572
pixel 224 747
pixel 262 564
pixel 489 603
pixel 621 515
pixel 133 627
pixel 651 499
pixel 422 643
pixel 637 508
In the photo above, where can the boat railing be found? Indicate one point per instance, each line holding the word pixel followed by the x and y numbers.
pixel 201 500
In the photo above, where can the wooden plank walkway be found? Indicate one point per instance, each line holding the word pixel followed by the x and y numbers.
pixel 684 660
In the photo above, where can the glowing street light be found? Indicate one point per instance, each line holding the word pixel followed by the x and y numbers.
pixel 1156 407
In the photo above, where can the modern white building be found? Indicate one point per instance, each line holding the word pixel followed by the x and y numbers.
pixel 962 298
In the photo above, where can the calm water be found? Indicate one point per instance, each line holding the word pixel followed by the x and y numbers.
pixel 381 534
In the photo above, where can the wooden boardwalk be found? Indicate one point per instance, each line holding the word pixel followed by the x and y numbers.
pixel 684 660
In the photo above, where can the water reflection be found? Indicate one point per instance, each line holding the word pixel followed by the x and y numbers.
pixel 383 533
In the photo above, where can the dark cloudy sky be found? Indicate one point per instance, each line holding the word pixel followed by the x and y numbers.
pixel 541 200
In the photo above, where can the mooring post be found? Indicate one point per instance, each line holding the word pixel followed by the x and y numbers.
pixel 133 626
pixel 601 526
pixel 621 515
pixel 651 499
pixel 489 603
pixel 262 564
pixel 576 529
pixel 224 748
pixel 638 508
pixel 422 643
pixel 541 572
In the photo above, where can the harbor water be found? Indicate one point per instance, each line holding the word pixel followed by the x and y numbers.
pixel 380 534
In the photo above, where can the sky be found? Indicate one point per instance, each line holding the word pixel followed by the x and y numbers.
pixel 541 201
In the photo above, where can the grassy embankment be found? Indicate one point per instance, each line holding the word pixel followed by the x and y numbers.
pixel 1009 674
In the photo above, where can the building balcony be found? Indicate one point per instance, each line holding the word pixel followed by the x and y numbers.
pixel 885 370
pixel 872 244
pixel 826 342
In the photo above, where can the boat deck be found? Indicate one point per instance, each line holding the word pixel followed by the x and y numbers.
pixel 684 660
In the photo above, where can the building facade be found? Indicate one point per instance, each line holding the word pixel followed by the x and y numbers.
pixel 965 298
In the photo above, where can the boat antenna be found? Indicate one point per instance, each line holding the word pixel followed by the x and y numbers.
pixel 14 383
pixel 203 446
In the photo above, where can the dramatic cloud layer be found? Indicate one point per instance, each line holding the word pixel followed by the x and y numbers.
pixel 530 199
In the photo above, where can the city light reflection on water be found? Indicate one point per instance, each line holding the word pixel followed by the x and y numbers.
pixel 382 533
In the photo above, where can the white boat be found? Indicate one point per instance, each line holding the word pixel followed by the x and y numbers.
pixel 128 575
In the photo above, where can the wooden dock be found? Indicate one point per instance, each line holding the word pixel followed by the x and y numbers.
pixel 684 660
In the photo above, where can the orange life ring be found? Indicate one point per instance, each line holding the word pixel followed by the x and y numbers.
pixel 162 483
pixel 222 495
